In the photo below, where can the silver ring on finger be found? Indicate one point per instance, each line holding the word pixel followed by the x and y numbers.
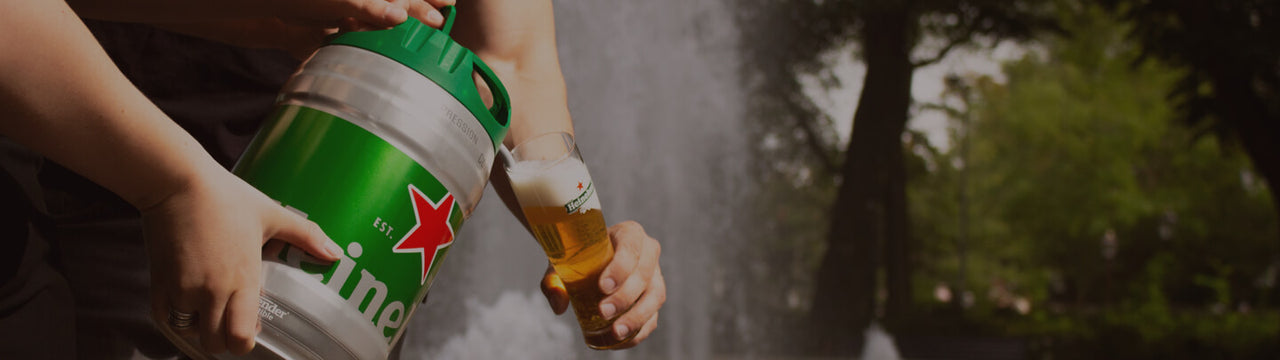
pixel 180 320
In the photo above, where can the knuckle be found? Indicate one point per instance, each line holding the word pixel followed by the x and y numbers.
pixel 635 286
pixel 619 268
pixel 217 287
pixel 421 9
pixel 614 299
pixel 629 320
pixel 635 246
pixel 627 296
pixel 366 6
pixel 625 227
pixel 209 329
pixel 313 227
pixel 624 255
pixel 620 302
pixel 619 309
pixel 630 255
pixel 247 277
pixel 240 337
pixel 191 293
pixel 632 226
pixel 188 284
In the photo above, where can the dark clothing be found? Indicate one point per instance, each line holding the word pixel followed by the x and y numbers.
pixel 218 93
pixel 74 274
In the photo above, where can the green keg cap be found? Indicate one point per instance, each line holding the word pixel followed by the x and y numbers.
pixel 435 55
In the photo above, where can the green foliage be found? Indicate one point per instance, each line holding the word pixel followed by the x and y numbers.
pixel 1077 146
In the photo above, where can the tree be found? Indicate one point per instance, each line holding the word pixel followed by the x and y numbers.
pixel 1130 236
pixel 1230 51
pixel 868 220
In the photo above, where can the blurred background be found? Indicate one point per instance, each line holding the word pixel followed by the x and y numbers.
pixel 974 179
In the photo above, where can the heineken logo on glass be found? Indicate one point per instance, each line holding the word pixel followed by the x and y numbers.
pixel 574 205
pixel 436 235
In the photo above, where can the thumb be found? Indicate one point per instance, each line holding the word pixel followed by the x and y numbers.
pixel 304 234
pixel 554 290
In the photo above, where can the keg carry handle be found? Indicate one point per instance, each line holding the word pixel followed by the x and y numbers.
pixel 501 109
pixel 449 13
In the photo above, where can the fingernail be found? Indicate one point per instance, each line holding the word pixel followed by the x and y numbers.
pixel 435 18
pixel 334 249
pixel 607 310
pixel 620 331
pixel 608 285
pixel 395 14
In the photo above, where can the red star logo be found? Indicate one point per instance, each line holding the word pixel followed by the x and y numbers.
pixel 427 240
pixel 579 185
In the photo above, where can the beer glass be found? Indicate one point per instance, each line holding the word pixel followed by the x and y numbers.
pixel 559 202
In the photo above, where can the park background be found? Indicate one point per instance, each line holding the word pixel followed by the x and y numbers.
pixel 986 179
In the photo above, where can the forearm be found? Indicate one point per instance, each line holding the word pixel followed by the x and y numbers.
pixel 517 39
pixel 64 98
pixel 539 102
pixel 502 185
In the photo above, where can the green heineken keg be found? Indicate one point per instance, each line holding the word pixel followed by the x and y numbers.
pixel 383 139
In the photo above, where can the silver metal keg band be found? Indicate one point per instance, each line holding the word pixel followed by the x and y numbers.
pixel 404 108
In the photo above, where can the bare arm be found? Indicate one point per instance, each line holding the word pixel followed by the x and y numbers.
pixel 62 97
pixel 517 38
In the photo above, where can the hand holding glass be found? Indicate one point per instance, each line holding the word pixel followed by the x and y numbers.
pixel 559 201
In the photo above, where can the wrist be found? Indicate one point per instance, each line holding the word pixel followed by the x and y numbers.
pixel 167 182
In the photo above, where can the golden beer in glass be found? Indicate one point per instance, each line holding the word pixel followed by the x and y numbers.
pixel 559 201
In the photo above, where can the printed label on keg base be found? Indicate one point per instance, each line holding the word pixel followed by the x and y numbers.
pixel 268 310
pixel 394 220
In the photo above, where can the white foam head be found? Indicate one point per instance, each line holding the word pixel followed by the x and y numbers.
pixel 541 183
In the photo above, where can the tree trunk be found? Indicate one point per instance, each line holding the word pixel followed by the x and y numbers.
pixel 1258 129
pixel 897 261
pixel 1237 96
pixel 844 296
pixel 1263 147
